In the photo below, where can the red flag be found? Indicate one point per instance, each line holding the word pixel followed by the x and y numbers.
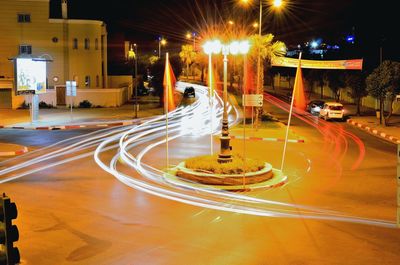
pixel 169 86
pixel 248 80
pixel 299 97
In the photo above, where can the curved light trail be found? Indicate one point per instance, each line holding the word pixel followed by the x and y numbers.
pixel 149 133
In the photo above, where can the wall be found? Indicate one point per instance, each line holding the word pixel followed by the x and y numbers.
pixel 105 97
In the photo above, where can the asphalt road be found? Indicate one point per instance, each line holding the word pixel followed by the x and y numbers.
pixel 76 213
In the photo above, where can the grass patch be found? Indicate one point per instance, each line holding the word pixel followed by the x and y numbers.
pixel 209 164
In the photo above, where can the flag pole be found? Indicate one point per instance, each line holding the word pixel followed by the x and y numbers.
pixel 166 107
pixel 290 113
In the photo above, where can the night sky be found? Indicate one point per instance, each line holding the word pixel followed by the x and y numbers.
pixel 142 21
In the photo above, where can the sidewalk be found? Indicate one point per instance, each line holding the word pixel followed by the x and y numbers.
pixel 12 149
pixel 61 118
pixel 367 121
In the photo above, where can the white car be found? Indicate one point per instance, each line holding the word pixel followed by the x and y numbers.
pixel 332 110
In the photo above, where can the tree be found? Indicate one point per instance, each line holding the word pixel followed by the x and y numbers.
pixel 318 77
pixel 336 82
pixel 384 83
pixel 266 49
pixel 358 90
pixel 188 56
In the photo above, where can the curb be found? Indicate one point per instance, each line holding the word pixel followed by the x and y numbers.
pixel 70 127
pixel 267 139
pixel 15 153
pixel 378 133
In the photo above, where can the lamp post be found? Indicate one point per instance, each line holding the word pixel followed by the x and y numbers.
pixel 276 4
pixel 136 82
pixel 209 48
pixel 189 36
pixel 233 48
pixel 133 55
pixel 163 42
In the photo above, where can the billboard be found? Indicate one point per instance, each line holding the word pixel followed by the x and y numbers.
pixel 355 64
pixel 30 76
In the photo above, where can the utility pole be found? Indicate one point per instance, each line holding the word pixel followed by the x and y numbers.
pixel 136 82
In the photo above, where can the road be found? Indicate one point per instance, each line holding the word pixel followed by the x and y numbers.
pixel 339 204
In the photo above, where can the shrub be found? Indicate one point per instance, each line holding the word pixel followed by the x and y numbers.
pixel 85 104
pixel 24 105
pixel 209 164
pixel 44 105
pixel 267 117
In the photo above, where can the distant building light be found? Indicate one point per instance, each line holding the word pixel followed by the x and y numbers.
pixel 336 47
pixel 350 39
pixel 314 44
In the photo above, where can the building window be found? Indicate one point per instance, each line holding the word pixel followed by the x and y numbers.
pixel 87 44
pixel 97 81
pixel 25 49
pixel 24 18
pixel 96 44
pixel 75 44
pixel 87 81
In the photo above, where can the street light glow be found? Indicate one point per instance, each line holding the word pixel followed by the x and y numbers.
pixel 188 36
pixel 234 47
pixel 255 25
pixel 277 3
pixel 163 42
pixel 214 46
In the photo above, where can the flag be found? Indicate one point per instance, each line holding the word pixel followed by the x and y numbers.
pixel 169 86
pixel 298 90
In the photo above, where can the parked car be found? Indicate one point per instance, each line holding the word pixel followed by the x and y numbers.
pixel 332 110
pixel 189 92
pixel 315 106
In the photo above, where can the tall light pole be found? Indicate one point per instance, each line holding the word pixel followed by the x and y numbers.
pixel 259 86
pixel 233 48
pixel 163 42
pixel 211 47
pixel 136 82
pixel 132 55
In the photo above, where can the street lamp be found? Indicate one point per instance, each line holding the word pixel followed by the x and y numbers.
pixel 189 36
pixel 233 48
pixel 276 4
pixel 163 42
pixel 209 48
pixel 133 55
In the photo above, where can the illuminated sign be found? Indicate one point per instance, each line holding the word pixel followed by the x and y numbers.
pixel 355 64
pixel 30 76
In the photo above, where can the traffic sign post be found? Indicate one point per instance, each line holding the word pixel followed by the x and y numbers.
pixel 253 100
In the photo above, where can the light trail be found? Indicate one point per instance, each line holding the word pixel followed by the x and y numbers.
pixel 152 180
pixel 190 120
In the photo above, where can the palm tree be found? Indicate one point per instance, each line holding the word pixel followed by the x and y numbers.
pixel 188 56
pixel 264 49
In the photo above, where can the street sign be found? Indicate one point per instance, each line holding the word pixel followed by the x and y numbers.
pixel 71 88
pixel 253 100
